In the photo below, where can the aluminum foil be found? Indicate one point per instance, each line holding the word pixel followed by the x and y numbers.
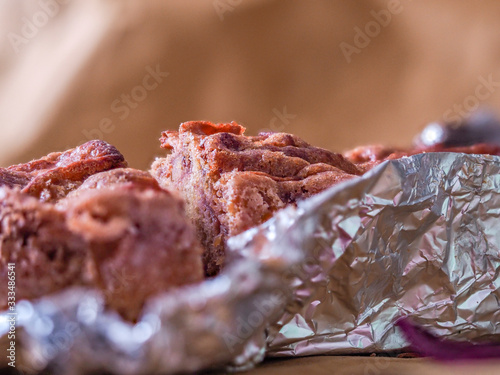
pixel 219 323
pixel 414 236
pixel 417 236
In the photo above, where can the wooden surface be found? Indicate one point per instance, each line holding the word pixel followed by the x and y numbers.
pixel 353 365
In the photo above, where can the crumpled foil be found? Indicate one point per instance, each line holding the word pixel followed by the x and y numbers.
pixel 218 323
pixel 415 236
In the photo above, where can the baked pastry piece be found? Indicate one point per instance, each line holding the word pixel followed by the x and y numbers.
pixel 232 182
pixel 139 237
pixel 368 157
pixel 119 231
pixel 53 176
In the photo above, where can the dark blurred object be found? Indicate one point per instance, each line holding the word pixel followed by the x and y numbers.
pixel 481 127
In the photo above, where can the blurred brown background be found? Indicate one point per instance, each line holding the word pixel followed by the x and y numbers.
pixel 337 73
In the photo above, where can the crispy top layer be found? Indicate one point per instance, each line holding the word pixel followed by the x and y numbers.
pixel 226 148
pixel 53 176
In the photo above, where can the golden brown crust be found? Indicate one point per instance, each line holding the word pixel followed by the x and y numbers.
pixel 55 175
pixel 233 182
pixel 277 154
pixel 202 128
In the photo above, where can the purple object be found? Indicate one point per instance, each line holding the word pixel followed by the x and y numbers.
pixel 428 345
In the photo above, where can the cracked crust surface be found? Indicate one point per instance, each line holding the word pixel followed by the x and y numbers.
pixel 232 182
pixel 55 175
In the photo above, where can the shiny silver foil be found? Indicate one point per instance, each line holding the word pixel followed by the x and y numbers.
pixel 417 236
pixel 219 323
pixel 414 236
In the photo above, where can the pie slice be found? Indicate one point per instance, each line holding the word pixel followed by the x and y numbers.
pixel 115 230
